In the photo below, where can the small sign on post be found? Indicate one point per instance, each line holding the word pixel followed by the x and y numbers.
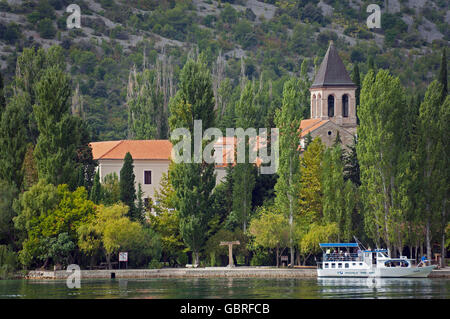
pixel 230 250
pixel 123 257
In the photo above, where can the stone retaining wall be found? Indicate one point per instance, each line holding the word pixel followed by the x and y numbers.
pixel 210 272
pixel 237 272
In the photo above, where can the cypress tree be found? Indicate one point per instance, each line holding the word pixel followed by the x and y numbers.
pixel 371 63
pixel 357 80
pixel 443 75
pixel 140 208
pixel 127 185
pixel 308 140
pixel 96 192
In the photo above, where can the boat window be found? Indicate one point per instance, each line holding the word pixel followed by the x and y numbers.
pixel 326 265
pixel 333 265
pixel 353 264
pixel 360 264
pixel 339 265
pixel 346 265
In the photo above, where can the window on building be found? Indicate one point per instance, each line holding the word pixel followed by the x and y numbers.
pixel 345 105
pixel 147 177
pixel 330 106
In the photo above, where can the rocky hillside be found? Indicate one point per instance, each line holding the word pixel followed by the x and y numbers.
pixel 267 40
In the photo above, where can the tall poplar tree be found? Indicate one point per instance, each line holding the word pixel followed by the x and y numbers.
pixel 244 173
pixel 31 66
pixel 56 146
pixel 287 188
pixel 338 196
pixel 383 157
pixel 13 141
pixel 147 118
pixel 310 196
pixel 433 163
pixel 127 186
pixel 193 182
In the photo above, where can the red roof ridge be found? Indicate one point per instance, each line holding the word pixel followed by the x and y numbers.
pixel 120 142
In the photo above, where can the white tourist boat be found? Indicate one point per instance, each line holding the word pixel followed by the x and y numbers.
pixel 352 260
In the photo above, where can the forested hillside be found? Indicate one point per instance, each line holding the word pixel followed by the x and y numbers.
pixel 267 41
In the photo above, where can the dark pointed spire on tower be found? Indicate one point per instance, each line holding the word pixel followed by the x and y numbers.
pixel 332 71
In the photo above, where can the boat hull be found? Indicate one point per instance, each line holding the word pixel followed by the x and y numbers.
pixel 394 272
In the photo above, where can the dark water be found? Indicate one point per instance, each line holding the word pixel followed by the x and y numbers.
pixel 244 288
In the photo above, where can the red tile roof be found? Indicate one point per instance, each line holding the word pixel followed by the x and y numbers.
pixel 311 125
pixel 139 149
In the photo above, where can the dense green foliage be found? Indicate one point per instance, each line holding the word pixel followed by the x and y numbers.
pixel 193 182
pixel 134 73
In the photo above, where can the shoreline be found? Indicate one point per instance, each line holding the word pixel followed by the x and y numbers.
pixel 208 272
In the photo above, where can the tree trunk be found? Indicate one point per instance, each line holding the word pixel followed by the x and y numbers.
pixel 421 251
pixel 291 214
pixel 108 260
pixel 428 237
pixel 45 264
pixel 196 257
pixel 277 255
pixel 443 225
pixel 443 250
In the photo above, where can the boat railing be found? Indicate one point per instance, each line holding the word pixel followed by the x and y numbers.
pixel 342 257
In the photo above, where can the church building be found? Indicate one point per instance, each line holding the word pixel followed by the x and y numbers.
pixel 333 103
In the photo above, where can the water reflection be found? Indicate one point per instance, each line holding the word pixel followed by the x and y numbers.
pixel 224 288
pixel 382 287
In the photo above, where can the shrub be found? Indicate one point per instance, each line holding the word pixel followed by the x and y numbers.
pixel 10 33
pixel 261 257
pixel 46 29
pixel 8 262
pixel 155 264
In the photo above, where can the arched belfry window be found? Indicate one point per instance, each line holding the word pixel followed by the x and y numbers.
pixel 330 106
pixel 345 105
pixel 313 109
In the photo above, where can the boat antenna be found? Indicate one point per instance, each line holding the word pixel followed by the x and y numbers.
pixel 359 243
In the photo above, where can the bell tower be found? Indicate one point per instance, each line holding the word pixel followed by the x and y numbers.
pixel 333 92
